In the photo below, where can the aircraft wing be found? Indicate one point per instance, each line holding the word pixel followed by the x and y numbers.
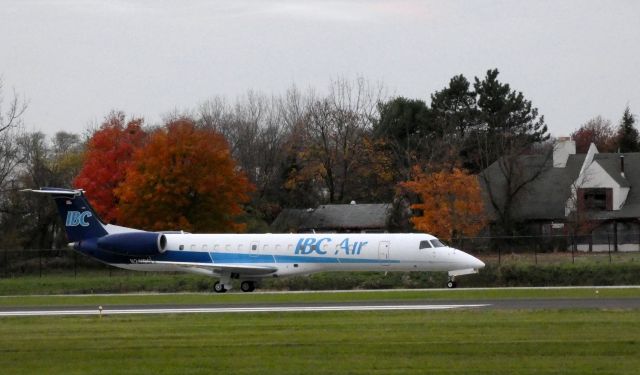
pixel 237 268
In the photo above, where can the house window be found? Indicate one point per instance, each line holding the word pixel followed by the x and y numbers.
pixel 596 199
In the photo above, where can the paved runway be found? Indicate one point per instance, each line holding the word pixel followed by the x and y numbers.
pixel 508 304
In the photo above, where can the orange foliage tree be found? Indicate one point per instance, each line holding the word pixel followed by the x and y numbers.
pixel 183 178
pixel 451 203
pixel 108 153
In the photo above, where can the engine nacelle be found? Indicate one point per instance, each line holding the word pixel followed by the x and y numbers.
pixel 134 243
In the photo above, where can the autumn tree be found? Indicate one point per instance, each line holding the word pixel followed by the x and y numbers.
pixel 598 131
pixel 451 203
pixel 108 154
pixel 183 178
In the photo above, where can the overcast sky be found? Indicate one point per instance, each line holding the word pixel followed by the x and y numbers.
pixel 77 60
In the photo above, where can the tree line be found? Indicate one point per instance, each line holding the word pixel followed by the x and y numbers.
pixel 233 166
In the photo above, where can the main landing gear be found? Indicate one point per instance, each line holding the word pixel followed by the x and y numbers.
pixel 245 286
pixel 451 283
pixel 248 286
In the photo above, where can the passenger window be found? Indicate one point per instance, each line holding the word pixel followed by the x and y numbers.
pixel 193 247
pixel 181 247
pixel 239 247
pixel 254 247
pixel 425 245
pixel 437 243
pixel 204 248
pixel 228 247
pixel 216 247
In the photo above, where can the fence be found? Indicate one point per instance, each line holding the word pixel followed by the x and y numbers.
pixel 39 262
pixel 548 249
pixel 492 250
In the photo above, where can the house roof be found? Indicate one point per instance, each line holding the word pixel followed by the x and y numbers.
pixel 611 164
pixel 631 207
pixel 334 217
pixel 546 196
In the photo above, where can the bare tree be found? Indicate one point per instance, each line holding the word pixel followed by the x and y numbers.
pixel 11 117
pixel 335 128
pixel 507 181
pixel 255 127
pixel 11 122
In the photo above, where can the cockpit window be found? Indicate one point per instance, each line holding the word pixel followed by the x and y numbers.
pixel 425 245
pixel 437 243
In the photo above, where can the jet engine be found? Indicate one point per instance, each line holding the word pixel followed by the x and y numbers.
pixel 134 243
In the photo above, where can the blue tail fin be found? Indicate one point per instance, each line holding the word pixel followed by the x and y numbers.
pixel 80 220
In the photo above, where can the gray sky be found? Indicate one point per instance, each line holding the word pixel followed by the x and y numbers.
pixel 77 60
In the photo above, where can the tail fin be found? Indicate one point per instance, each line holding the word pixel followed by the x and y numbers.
pixel 80 220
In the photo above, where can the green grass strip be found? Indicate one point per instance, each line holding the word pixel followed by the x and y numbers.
pixel 451 342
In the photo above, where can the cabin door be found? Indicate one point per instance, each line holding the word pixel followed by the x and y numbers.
pixel 383 252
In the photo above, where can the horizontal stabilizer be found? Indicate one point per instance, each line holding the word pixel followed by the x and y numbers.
pixel 55 191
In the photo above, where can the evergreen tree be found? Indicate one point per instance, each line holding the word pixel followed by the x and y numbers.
pixel 628 139
pixel 509 122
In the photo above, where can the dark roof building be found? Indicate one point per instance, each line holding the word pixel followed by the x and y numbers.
pixel 603 189
pixel 334 218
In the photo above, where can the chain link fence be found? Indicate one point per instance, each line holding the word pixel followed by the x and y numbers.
pixel 602 247
pixel 40 262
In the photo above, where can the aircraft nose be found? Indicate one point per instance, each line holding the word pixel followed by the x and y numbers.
pixel 472 262
pixel 478 263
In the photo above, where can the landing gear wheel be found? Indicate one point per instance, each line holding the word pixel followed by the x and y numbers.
pixel 451 284
pixel 218 287
pixel 248 286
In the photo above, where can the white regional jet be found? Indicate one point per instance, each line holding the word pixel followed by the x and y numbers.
pixel 251 257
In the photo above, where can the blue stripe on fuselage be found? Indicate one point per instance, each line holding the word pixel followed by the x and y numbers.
pixel 230 258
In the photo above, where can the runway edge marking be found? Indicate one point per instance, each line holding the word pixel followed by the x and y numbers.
pixel 233 310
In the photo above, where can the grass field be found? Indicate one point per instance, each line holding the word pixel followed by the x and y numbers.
pixel 479 341
pixel 435 342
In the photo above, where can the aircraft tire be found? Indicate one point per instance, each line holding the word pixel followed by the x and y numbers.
pixel 218 287
pixel 247 286
pixel 451 284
